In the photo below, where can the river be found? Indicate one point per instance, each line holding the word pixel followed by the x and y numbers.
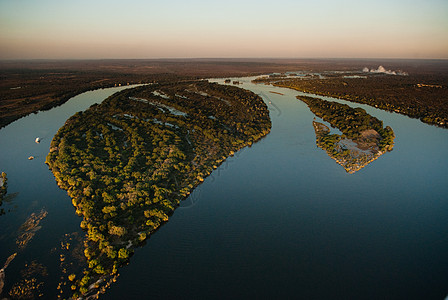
pixel 277 220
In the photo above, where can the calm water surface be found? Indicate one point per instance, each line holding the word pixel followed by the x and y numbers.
pixel 279 219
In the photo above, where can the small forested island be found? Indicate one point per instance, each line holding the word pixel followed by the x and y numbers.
pixel 128 162
pixel 363 138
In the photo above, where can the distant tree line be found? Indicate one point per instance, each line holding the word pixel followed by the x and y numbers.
pixel 401 94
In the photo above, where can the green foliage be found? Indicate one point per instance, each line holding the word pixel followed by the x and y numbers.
pixel 85 280
pixel 123 253
pixel 117 230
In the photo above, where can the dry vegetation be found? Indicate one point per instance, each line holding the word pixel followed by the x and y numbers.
pixel 30 86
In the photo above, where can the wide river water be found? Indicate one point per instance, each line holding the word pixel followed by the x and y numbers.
pixel 280 219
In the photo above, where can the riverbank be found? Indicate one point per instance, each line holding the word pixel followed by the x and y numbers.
pixel 400 94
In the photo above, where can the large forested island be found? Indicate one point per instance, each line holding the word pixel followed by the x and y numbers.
pixel 363 137
pixel 128 162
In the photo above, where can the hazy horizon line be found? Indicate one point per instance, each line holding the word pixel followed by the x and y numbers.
pixel 226 58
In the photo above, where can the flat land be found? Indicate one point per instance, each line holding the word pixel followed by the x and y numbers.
pixel 33 85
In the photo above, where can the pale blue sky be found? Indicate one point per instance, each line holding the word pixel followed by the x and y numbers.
pixel 227 28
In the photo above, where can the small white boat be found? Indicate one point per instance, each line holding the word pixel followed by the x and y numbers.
pixel 38 140
pixel 31 157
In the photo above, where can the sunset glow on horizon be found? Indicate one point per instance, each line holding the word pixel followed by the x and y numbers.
pixel 194 29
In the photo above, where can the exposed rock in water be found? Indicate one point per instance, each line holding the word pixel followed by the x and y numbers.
pixel 29 228
pixel 2 271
